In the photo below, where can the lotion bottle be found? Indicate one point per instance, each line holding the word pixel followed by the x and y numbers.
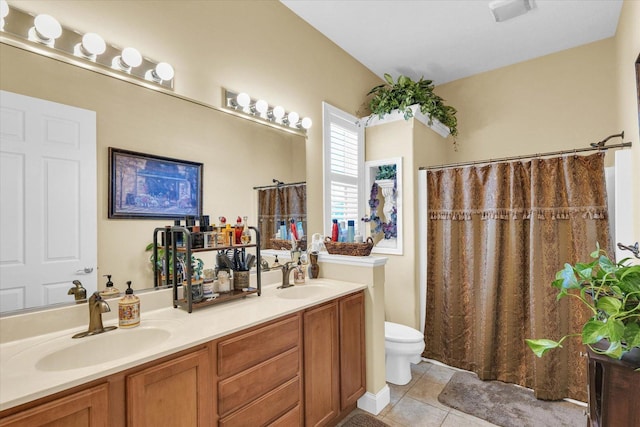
pixel 109 291
pixel 129 309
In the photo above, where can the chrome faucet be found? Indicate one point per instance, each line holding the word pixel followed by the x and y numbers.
pixel 78 292
pixel 97 306
pixel 287 268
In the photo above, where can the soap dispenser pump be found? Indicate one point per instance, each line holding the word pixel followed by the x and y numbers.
pixel 129 309
pixel 109 291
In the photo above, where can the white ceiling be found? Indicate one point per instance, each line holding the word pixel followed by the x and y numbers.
pixel 445 40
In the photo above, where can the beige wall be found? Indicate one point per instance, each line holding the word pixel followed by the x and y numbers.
pixel 258 47
pixel 627 48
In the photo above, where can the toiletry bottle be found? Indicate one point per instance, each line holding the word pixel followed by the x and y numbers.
pixel 283 230
pixel 228 235
pixel 129 309
pixel 246 233
pixel 350 231
pixel 109 291
pixel 238 231
pixel 294 230
pixel 178 236
pixel 300 230
pixel 298 274
pixel 342 232
pixel 335 231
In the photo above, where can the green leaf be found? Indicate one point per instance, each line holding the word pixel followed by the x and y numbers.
pixel 593 331
pixel 596 253
pixel 388 78
pixel 609 305
pixel 568 277
pixel 632 335
pixel 615 350
pixel 607 265
pixel 541 346
pixel 615 329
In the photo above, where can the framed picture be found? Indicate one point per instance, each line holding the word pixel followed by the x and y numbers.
pixel 384 204
pixel 153 187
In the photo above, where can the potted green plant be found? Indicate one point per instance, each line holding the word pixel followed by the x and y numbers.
pixel 611 291
pixel 404 93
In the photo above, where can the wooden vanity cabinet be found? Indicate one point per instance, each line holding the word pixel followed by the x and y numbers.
pixel 334 359
pixel 85 408
pixel 177 392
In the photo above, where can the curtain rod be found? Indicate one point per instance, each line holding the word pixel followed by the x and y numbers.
pixel 529 156
pixel 279 185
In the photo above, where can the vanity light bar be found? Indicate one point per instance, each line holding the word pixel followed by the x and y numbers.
pixel 260 110
pixel 43 34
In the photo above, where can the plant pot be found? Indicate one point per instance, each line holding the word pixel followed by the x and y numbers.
pixel 613 388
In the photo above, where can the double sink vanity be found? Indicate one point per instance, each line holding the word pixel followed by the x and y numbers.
pixel 292 356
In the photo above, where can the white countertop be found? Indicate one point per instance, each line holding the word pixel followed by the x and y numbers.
pixel 22 381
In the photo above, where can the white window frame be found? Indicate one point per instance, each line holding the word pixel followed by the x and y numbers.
pixel 331 114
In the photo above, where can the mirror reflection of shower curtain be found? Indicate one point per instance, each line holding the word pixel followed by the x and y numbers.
pixel 498 233
pixel 280 204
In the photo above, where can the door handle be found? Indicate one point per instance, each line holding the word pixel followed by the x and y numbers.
pixel 86 270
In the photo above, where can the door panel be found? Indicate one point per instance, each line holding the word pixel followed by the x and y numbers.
pixel 48 190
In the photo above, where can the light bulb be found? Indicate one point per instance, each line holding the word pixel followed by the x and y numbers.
pixel 4 8
pixel 162 72
pixel 129 58
pixel 91 46
pixel 46 30
pixel 278 113
pixel 306 123
pixel 262 107
pixel 293 118
pixel 243 99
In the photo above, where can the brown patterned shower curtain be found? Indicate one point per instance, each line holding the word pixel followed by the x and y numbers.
pixel 497 234
pixel 280 203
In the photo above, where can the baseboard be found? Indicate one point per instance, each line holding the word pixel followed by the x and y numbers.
pixel 374 403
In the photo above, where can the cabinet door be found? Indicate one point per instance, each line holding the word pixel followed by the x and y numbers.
pixel 87 408
pixel 176 393
pixel 352 350
pixel 321 359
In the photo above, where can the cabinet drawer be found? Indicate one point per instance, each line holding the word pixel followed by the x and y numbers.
pixel 249 385
pixel 267 408
pixel 251 348
pixel 291 418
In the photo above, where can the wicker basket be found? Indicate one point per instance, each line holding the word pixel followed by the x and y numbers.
pixel 285 245
pixel 352 249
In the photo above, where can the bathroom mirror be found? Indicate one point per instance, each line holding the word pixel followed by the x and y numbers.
pixel 236 154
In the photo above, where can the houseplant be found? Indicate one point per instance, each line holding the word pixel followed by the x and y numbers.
pixel 611 291
pixel 404 93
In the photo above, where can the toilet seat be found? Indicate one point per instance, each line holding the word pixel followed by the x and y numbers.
pixel 395 332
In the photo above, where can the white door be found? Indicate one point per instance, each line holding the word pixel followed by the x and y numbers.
pixel 48 201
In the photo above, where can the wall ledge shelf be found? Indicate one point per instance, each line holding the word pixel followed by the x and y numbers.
pixel 396 115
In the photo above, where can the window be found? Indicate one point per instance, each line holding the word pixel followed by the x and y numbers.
pixel 343 141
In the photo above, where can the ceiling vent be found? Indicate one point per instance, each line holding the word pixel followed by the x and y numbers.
pixel 503 10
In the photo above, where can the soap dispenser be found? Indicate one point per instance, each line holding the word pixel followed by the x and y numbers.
pixel 129 309
pixel 109 291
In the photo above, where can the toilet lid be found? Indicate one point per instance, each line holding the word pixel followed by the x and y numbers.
pixel 401 333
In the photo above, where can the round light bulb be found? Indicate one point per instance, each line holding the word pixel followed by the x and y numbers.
pixel 293 118
pixel 278 112
pixel 261 106
pixel 94 44
pixel 4 8
pixel 306 123
pixel 164 70
pixel 243 99
pixel 47 27
pixel 131 57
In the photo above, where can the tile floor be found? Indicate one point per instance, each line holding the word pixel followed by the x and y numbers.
pixel 416 404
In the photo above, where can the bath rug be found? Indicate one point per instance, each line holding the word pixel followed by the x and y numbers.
pixel 364 420
pixel 508 405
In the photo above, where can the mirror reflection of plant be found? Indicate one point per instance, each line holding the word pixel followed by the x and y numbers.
pixel 386 172
pixel 612 292
pixel 196 263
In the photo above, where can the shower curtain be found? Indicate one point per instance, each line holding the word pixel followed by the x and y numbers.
pixel 277 204
pixel 497 234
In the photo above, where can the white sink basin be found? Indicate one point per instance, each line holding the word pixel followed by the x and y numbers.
pixel 101 348
pixel 302 291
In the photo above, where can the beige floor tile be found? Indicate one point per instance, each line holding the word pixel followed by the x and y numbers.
pixel 411 412
pixel 420 368
pixel 458 419
pixel 393 423
pixel 398 391
pixel 427 390
pixel 439 374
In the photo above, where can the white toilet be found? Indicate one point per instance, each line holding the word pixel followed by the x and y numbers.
pixel 403 346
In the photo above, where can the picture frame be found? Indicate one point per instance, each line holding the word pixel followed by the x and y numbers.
pixel 387 215
pixel 146 186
